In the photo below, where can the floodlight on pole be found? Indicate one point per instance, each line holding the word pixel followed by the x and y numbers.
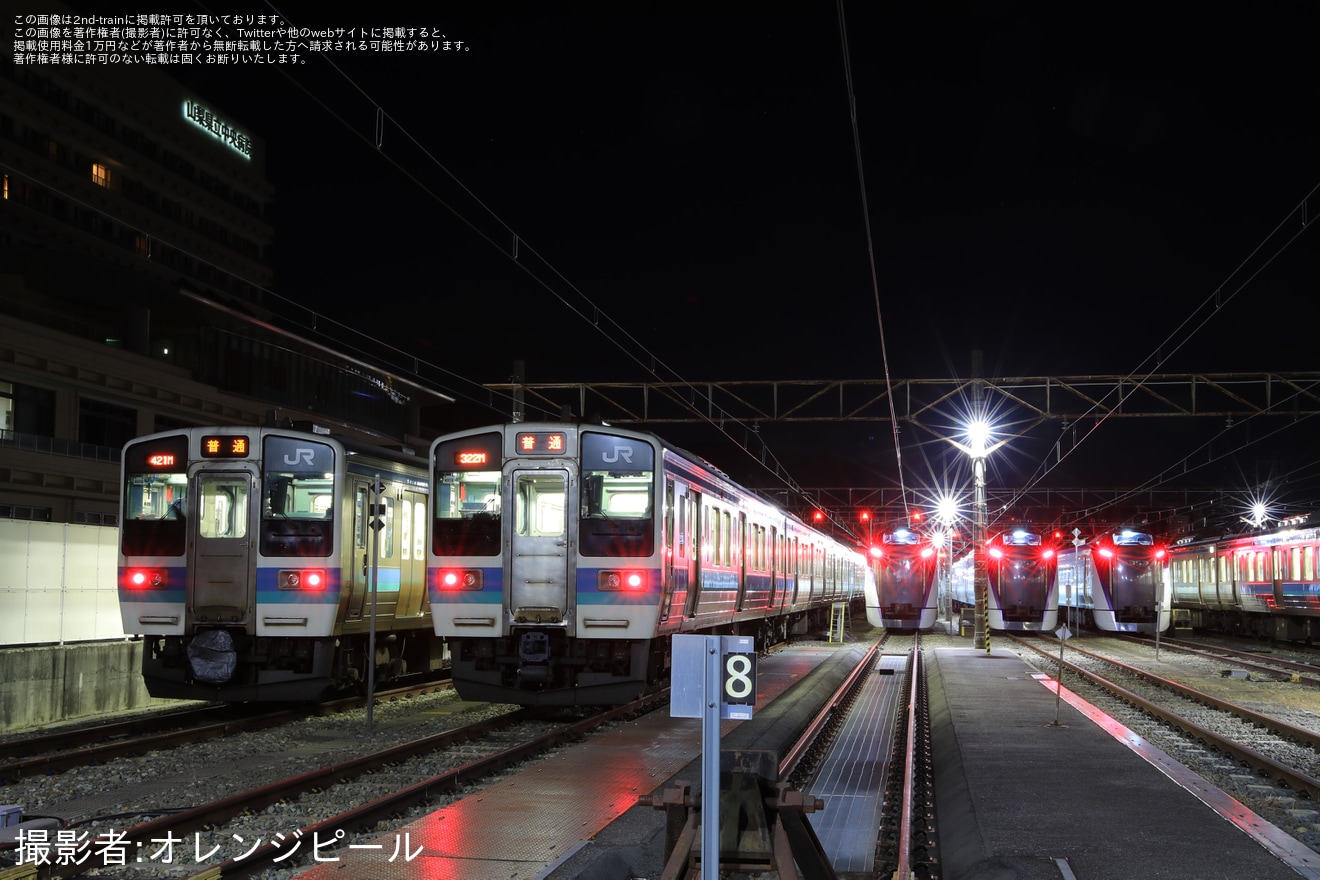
pixel 978 447
pixel 946 512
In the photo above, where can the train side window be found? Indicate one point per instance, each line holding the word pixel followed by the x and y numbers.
pixel 360 518
pixel 387 533
pixel 682 526
pixel 729 538
pixel 419 531
pixel 405 531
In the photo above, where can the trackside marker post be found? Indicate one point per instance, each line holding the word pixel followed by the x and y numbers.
pixel 714 678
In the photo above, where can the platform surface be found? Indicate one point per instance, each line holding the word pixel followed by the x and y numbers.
pixel 1020 797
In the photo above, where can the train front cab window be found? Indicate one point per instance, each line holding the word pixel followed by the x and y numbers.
pixel 297 510
pixel 154 518
pixel 616 514
pixel 468 513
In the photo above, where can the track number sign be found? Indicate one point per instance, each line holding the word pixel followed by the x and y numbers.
pixel 740 679
pixel 728 663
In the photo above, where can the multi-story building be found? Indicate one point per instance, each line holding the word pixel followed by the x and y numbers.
pixel 135 283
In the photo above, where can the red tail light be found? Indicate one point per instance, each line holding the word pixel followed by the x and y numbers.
pixel 310 580
pixel 460 579
pixel 145 579
pixel 632 581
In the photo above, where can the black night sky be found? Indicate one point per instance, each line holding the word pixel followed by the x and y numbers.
pixel 1067 188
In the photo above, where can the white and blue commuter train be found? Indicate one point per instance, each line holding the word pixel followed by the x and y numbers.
pixel 1022 592
pixel 906 565
pixel 246 563
pixel 1118 582
pixel 564 557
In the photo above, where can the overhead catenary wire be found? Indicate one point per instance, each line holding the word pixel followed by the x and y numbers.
pixel 587 310
pixel 870 252
pixel 1209 308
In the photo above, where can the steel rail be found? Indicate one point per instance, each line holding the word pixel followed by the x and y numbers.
pixel 1267 765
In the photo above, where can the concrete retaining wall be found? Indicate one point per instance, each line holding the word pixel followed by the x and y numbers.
pixel 49 684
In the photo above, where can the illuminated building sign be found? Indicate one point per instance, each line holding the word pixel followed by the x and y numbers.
pixel 222 131
pixel 224 447
pixel 543 443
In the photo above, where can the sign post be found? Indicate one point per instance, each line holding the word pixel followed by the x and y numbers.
pixel 375 521
pixel 714 678
pixel 1064 635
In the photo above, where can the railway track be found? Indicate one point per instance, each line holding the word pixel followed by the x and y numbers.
pixel 1297 671
pixel 385 783
pixel 83 746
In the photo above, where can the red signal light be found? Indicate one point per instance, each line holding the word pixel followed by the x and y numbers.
pixel 145 579
pixel 460 579
pixel 996 553
pixel 1047 554
pixel 311 580
pixel 1159 554
pixel 633 581
pixel 927 552
pixel 818 516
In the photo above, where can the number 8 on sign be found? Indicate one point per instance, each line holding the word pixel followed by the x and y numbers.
pixel 740 679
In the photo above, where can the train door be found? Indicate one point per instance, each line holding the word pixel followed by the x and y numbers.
pixel 540 568
pixel 694 557
pixel 670 544
pixel 775 565
pixel 357 574
pixel 412 554
pixel 223 563
pixel 740 550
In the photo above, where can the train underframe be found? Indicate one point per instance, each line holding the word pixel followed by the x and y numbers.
pixel 544 667
pixel 229 665
pixel 1278 627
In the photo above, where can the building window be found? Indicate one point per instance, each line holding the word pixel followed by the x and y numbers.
pixel 105 424
pixel 15 511
pixel 26 409
pixel 100 175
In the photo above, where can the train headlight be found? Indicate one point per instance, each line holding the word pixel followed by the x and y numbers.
pixel 630 581
pixel 460 579
pixel 145 579
pixel 309 579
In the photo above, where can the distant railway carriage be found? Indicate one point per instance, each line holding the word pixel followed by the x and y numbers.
pixel 1022 582
pixel 246 561
pixel 906 566
pixel 1118 582
pixel 1264 584
pixel 564 557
